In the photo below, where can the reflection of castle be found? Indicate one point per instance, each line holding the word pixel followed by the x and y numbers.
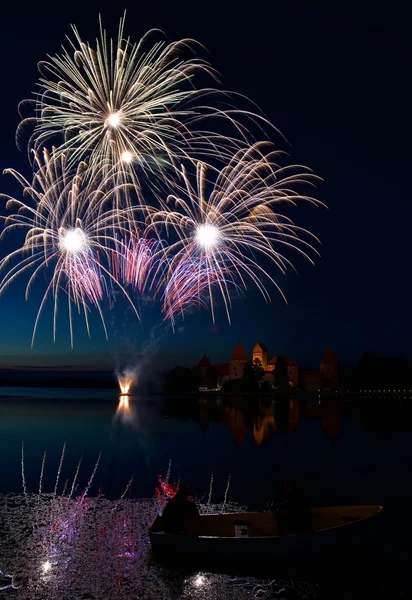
pixel 263 418
pixel 280 417
pixel 326 378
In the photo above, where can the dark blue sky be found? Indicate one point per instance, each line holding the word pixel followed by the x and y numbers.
pixel 334 77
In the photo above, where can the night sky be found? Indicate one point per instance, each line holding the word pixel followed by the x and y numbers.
pixel 334 77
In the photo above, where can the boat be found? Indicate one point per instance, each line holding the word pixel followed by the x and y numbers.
pixel 257 533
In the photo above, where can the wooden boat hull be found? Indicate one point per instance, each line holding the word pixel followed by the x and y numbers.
pixel 328 531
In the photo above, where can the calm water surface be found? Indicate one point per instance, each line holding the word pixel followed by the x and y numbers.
pixel 343 451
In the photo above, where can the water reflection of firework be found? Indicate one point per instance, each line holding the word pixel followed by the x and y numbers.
pixel 125 411
pixel 110 550
pixel 57 541
pixel 124 403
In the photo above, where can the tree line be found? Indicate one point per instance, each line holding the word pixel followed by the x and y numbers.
pixel 378 373
pixel 186 379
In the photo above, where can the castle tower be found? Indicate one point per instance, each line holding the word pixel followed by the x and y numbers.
pixel 293 371
pixel 272 363
pixel 237 362
pixel 292 366
pixel 329 368
pixel 203 366
pixel 261 352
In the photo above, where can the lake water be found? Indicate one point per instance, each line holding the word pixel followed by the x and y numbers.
pixel 342 451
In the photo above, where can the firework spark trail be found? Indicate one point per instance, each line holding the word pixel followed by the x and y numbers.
pixel 59 470
pixel 188 278
pixel 126 489
pixel 169 471
pixel 135 260
pixel 66 483
pixel 76 475
pixel 42 472
pixel 228 218
pixel 210 490
pixel 226 492
pixel 96 466
pixel 23 477
pixel 71 231
pixel 132 105
pixel 39 495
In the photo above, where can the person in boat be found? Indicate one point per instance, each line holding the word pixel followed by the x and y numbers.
pixel 298 518
pixel 178 511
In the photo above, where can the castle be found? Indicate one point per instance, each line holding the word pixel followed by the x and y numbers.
pixel 326 378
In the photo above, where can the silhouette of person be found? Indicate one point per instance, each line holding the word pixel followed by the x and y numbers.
pixel 178 510
pixel 299 514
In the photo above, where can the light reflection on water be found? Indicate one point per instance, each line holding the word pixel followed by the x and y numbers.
pixel 342 451
pixel 59 548
pixel 126 411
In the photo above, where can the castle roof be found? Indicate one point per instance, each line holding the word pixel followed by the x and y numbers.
pixel 204 362
pixel 222 369
pixel 260 346
pixel 330 357
pixel 239 354
pixel 290 361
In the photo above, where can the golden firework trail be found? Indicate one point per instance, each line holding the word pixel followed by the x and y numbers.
pixel 133 107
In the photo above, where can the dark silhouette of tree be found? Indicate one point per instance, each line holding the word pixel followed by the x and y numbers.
pixel 367 370
pixel 282 414
pixel 211 377
pixel 233 385
pixel 182 380
pixel 280 374
pixel 258 370
pixel 375 372
pixel 249 381
pixel 266 386
pixel 349 377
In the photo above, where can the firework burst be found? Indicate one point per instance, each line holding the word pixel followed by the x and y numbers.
pixel 123 122
pixel 133 107
pixel 70 231
pixel 229 224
